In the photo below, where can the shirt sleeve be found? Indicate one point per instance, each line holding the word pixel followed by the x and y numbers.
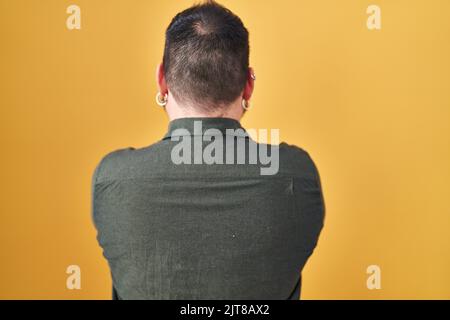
pixel 93 185
pixel 310 205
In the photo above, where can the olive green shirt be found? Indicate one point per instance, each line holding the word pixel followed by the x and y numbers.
pixel 206 231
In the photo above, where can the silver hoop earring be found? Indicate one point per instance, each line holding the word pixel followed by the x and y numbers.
pixel 161 102
pixel 245 105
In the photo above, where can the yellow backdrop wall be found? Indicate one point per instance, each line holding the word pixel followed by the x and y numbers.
pixel 371 107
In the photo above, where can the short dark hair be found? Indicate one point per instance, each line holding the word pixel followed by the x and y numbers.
pixel 206 56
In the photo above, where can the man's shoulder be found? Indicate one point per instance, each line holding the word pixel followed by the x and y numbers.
pixel 128 162
pixel 118 155
pixel 111 162
pixel 292 151
pixel 296 160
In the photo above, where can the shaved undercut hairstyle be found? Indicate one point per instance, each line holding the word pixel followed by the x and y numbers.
pixel 206 56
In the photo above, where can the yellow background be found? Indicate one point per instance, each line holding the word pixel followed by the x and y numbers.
pixel 371 107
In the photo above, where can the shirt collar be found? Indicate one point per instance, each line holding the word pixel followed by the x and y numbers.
pixel 192 125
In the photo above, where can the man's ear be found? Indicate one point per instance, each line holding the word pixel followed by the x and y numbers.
pixel 161 79
pixel 250 85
